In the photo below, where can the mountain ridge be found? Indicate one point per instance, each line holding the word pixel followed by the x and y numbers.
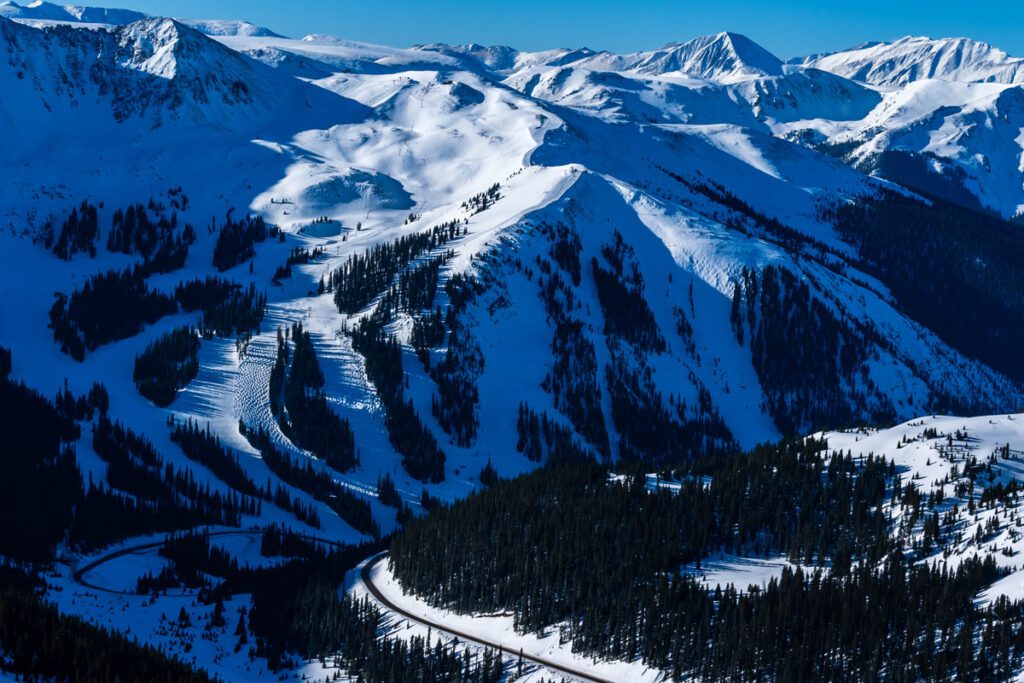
pixel 914 58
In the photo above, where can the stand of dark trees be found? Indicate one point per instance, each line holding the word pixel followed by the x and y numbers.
pixel 365 276
pixel 422 458
pixel 39 479
pixel 956 271
pixel 298 402
pixel 345 631
pixel 317 482
pixel 573 379
pixel 143 494
pixel 810 363
pixel 162 246
pixel 167 365
pixel 227 308
pixel 110 306
pixel 455 405
pixel 78 232
pixel 620 290
pixel 40 644
pixel 653 430
pixel 602 557
pixel 236 240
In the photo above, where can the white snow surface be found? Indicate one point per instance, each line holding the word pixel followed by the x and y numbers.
pixel 936 461
pixel 915 58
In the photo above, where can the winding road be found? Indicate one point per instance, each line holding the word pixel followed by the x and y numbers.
pixel 79 577
pixel 462 635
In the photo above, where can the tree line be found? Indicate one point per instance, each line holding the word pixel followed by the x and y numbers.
pixel 602 556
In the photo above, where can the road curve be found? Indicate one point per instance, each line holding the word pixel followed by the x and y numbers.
pixel 554 666
pixel 79 574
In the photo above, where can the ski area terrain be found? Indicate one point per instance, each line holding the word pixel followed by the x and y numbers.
pixel 328 286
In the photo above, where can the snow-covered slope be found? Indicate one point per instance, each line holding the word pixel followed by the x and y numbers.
pixel 41 13
pixel 222 27
pixel 721 58
pixel 967 134
pixel 382 133
pixel 908 97
pixel 956 460
pixel 914 58
pixel 40 10
pixel 143 75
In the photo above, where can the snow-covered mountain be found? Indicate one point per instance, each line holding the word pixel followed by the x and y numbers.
pixel 678 156
pixel 42 13
pixel 948 123
pixel 721 58
pixel 915 58
pixel 81 87
pixel 221 27
pixel 637 256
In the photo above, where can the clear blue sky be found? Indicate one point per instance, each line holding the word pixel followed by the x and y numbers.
pixel 786 27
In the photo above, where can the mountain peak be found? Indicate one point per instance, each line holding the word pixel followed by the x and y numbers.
pixel 227 27
pixel 914 58
pixel 721 57
pixel 154 45
pixel 41 10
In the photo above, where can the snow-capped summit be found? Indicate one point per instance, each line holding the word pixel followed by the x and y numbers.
pixel 222 27
pixel 42 13
pixel 40 10
pixel 494 57
pixel 724 57
pixel 913 58
pixel 154 71
pixel 720 58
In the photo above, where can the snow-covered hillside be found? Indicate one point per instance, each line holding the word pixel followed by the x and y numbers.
pixel 636 256
pixel 952 104
pixel 951 461
pixel 916 58
pixel 41 13
pixel 397 141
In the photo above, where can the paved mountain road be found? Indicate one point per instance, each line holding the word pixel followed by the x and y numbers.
pixel 477 640
pixel 79 577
